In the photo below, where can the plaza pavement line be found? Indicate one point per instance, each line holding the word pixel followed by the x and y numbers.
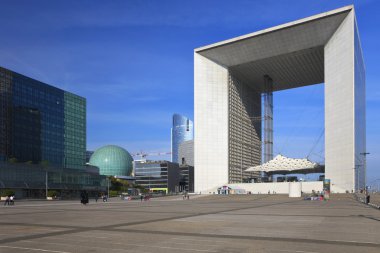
pixel 257 238
pixel 33 249
pixel 125 244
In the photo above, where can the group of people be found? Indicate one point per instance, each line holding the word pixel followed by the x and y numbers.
pixel 105 198
pixel 84 197
pixel 145 198
pixel 9 200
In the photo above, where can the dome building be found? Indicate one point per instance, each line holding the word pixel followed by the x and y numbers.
pixel 112 161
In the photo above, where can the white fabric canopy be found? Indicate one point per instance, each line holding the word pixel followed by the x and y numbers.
pixel 282 163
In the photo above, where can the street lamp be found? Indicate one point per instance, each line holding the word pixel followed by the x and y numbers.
pixel 46 183
pixel 108 187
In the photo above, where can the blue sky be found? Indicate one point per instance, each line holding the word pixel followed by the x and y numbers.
pixel 133 61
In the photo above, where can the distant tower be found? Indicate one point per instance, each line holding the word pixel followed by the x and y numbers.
pixel 182 130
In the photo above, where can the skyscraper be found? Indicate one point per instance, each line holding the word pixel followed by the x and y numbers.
pixel 43 139
pixel 40 123
pixel 182 130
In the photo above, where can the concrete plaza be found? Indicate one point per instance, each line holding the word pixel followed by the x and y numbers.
pixel 235 223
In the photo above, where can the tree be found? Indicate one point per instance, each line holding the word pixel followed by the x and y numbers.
pixel 7 192
pixel 117 184
pixel 13 160
pixel 44 163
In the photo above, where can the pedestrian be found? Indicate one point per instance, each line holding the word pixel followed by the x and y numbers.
pixel 141 197
pixel 96 197
pixel 7 199
pixel 84 197
pixel 11 200
pixel 188 196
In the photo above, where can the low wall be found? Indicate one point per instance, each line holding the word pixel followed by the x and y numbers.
pixel 278 187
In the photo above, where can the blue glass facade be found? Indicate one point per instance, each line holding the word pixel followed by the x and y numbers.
pixel 43 135
pixel 182 130
pixel 29 180
pixel 40 123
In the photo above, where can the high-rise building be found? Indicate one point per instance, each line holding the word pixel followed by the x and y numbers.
pixel 182 130
pixel 40 123
pixel 43 139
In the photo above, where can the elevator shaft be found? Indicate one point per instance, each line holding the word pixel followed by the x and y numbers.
pixel 268 119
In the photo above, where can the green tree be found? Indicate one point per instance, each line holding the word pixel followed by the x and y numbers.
pixel 6 192
pixel 44 163
pixel 13 160
pixel 119 185
pixel 52 193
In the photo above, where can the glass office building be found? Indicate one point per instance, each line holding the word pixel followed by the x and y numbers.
pixel 158 176
pixel 186 183
pixel 40 123
pixel 41 128
pixel 31 180
pixel 182 130
pixel 89 153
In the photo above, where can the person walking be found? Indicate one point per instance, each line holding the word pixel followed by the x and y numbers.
pixel 12 200
pixel 7 199
pixel 84 198
pixel 96 197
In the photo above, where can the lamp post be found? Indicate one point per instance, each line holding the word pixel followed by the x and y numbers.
pixel 149 180
pixel 108 187
pixel 46 183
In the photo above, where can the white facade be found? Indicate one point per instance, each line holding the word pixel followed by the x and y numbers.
pixel 211 124
pixel 322 48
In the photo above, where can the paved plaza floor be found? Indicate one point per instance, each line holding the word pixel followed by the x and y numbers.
pixel 235 223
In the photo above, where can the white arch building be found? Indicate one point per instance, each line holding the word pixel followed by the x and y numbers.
pixel 229 81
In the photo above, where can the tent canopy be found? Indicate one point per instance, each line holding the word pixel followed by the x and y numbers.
pixel 284 165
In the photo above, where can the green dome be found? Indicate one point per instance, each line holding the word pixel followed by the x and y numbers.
pixel 112 161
